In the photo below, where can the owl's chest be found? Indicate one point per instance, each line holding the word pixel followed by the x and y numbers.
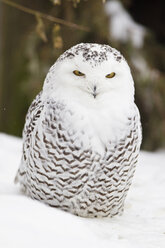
pixel 86 129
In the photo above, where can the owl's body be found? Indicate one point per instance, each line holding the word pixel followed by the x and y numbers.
pixel 80 147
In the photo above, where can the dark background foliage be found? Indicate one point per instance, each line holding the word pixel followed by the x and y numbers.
pixel 29 45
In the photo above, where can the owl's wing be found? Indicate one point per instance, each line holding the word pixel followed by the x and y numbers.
pixel 139 126
pixel 32 116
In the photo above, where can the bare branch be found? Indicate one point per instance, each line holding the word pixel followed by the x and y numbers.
pixel 43 15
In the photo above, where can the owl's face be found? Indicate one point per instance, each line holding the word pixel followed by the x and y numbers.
pixel 91 72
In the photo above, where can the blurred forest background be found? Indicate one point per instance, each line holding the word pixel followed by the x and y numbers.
pixel 31 42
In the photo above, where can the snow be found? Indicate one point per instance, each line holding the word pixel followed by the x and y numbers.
pixel 122 27
pixel 28 223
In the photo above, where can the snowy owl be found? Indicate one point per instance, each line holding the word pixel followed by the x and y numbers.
pixel 82 134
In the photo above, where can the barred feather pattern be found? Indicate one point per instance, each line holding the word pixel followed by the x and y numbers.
pixel 58 170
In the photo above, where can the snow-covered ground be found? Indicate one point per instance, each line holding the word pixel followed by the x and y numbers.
pixel 28 223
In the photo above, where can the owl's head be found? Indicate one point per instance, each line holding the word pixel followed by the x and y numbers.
pixel 90 72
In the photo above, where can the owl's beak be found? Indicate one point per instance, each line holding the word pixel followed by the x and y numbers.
pixel 94 91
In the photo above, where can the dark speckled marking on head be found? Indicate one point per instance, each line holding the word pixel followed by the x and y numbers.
pixel 92 53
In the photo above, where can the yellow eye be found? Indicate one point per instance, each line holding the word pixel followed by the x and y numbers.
pixel 111 75
pixel 78 73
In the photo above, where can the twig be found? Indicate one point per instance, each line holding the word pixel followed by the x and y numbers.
pixel 43 15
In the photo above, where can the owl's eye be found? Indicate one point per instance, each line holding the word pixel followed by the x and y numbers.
pixel 111 75
pixel 78 73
